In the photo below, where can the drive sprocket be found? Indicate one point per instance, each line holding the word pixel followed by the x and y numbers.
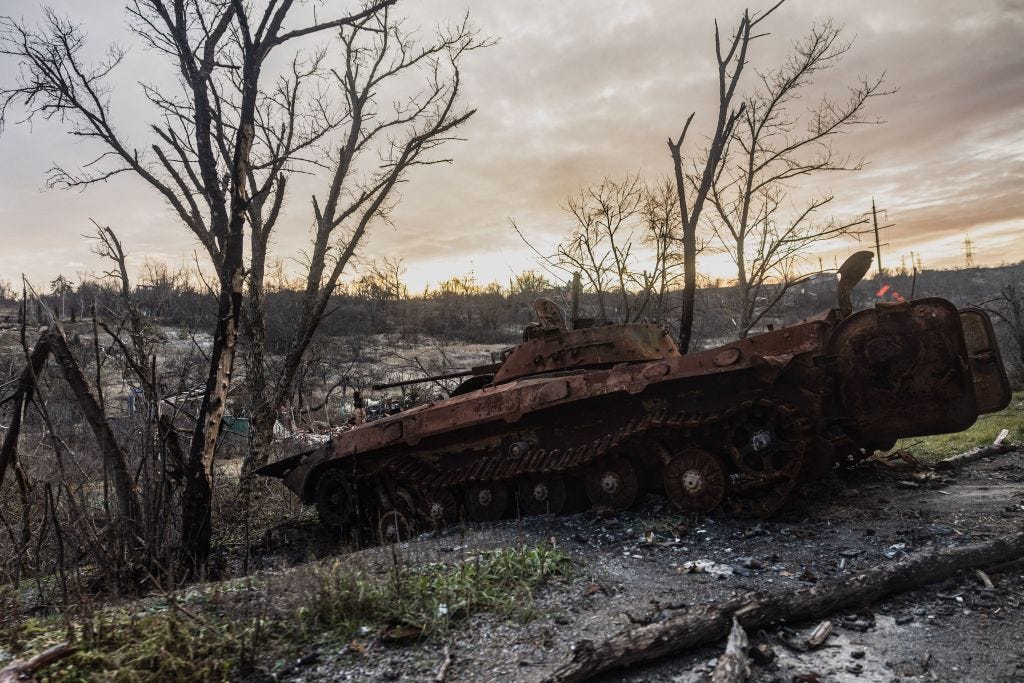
pixel 767 443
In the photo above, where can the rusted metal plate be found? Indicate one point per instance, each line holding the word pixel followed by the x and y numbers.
pixel 589 347
pixel 507 403
pixel 991 385
pixel 901 370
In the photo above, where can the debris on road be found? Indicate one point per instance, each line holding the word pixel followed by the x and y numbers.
pixel 997 447
pixel 706 567
pixel 708 623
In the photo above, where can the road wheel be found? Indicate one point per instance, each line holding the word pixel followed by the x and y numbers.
pixel 439 509
pixel 612 483
pixel 695 481
pixel 334 500
pixel 541 494
pixel 393 527
pixel 486 501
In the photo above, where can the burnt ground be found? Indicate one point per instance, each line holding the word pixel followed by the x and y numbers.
pixel 632 569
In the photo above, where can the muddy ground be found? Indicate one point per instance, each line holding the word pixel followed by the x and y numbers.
pixel 632 569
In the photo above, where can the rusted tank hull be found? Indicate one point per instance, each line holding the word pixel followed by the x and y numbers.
pixel 736 426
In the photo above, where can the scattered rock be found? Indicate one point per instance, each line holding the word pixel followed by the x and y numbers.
pixel 762 654
pixel 808 576
pixel 750 563
pixel 894 550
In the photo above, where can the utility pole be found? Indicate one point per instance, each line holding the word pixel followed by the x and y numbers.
pixel 878 240
pixel 968 252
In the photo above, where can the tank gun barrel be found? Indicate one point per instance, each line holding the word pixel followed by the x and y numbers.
pixel 478 370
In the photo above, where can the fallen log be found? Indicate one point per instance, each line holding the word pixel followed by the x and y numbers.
pixel 708 623
pixel 19 670
pixel 970 456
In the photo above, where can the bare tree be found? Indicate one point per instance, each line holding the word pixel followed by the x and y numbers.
pixel 529 283
pixel 381 285
pixel 201 160
pixel 757 221
pixel 624 246
pixel 382 281
pixel 660 212
pixel 115 460
pixel 378 146
pixel 601 244
pixel 1008 307
pixel 692 188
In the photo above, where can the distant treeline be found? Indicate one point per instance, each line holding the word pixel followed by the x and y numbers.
pixel 461 310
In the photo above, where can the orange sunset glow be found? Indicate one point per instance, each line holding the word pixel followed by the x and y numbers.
pixel 575 91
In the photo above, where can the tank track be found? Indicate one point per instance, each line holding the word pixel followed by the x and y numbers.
pixel 411 494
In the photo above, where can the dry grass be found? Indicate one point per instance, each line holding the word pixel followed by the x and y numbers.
pixel 982 432
pixel 229 630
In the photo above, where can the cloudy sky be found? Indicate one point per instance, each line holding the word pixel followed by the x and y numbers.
pixel 580 89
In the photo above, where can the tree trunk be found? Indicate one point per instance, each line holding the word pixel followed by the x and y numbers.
pixel 196 511
pixel 688 222
pixel 19 401
pixel 263 405
pixel 114 458
pixel 689 288
pixel 709 623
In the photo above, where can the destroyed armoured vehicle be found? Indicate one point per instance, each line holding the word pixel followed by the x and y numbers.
pixel 603 413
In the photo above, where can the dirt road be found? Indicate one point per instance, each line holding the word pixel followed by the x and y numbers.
pixel 645 565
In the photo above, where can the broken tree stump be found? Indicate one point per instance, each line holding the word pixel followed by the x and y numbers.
pixel 708 623
pixel 734 665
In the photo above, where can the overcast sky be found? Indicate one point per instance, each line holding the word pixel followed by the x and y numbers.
pixel 579 89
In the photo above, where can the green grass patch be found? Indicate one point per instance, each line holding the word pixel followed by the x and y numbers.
pixel 228 632
pixel 426 600
pixel 981 433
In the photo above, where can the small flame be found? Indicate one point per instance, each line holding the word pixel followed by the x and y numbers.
pixel 893 295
